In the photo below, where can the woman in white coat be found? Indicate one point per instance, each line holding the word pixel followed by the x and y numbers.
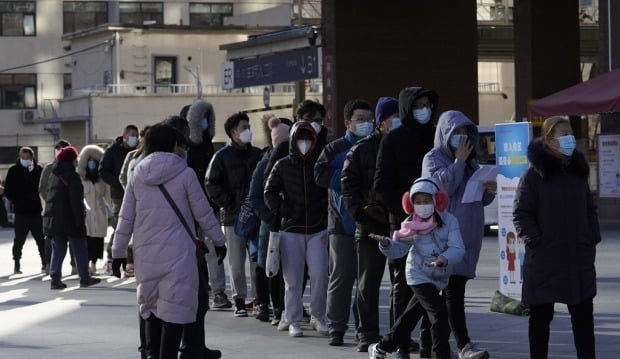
pixel 96 198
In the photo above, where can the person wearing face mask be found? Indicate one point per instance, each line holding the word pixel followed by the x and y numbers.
pixel 293 196
pixel 430 240
pixel 359 123
pixel 43 182
pixel 21 188
pixel 110 170
pixel 555 214
pixel 396 171
pixel 452 161
pixel 370 216
pixel 97 198
pixel 227 183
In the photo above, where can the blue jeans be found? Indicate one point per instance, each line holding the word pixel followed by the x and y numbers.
pixel 59 250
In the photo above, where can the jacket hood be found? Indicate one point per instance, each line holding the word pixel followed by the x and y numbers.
pixel 158 168
pixel 297 129
pixel 197 111
pixel 91 151
pixel 449 121
pixel 407 97
pixel 546 165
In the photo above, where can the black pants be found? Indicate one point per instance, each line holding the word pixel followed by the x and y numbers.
pixel 25 223
pixel 370 268
pixel 162 338
pixel 193 341
pixel 95 248
pixel 116 209
pixel 401 293
pixel 582 319
pixel 262 286
pixel 276 291
pixel 426 299
pixel 454 295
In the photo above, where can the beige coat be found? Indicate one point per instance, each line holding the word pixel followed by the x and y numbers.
pixel 96 194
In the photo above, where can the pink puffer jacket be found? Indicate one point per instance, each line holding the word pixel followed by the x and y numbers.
pixel 164 254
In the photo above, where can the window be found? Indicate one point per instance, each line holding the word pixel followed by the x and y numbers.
pixel 136 13
pixel 18 91
pixel 209 14
pixel 66 84
pixel 165 73
pixel 17 18
pixel 80 15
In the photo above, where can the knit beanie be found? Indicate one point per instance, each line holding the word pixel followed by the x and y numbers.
pixel 67 154
pixel 386 107
pixel 279 131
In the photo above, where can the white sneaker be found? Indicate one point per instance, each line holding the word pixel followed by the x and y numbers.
pixel 470 351
pixel 283 325
pixel 374 352
pixel 294 330
pixel 319 325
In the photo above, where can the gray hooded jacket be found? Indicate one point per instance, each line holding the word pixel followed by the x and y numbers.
pixel 453 175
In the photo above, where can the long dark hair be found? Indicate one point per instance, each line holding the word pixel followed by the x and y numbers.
pixel 162 138
pixel 92 175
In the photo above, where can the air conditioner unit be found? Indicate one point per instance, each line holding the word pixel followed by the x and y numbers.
pixel 29 116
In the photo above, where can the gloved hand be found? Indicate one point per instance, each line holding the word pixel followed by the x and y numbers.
pixel 220 252
pixel 116 266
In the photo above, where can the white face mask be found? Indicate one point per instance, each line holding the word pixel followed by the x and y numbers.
pixel 304 146
pixel 246 136
pixel 316 126
pixel 25 163
pixel 423 210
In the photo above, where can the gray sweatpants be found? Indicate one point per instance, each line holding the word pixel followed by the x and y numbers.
pixel 237 254
pixel 342 275
pixel 296 250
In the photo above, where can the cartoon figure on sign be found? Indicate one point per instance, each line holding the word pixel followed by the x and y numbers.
pixel 511 255
pixel 521 256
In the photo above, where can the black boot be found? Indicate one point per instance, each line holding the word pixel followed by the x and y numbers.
pixel 16 269
pixel 212 354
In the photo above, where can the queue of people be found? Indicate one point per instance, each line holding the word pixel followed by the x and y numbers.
pixel 389 190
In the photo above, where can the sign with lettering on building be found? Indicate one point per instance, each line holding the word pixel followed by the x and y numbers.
pixel 281 67
pixel 511 141
pixel 609 166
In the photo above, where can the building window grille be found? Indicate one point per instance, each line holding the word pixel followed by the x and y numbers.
pixel 80 15
pixel 18 91
pixel 209 14
pixel 136 13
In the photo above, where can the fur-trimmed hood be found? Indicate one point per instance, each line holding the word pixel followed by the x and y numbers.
pixel 197 111
pixel 91 151
pixel 546 165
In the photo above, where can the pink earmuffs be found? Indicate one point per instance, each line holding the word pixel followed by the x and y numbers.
pixel 441 198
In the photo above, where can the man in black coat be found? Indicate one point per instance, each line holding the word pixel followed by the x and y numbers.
pixel 399 163
pixel 370 216
pixel 64 218
pixel 109 171
pixel 227 183
pixel 22 189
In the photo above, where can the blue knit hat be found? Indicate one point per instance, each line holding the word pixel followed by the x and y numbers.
pixel 386 107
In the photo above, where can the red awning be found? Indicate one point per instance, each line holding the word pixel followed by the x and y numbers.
pixel 598 95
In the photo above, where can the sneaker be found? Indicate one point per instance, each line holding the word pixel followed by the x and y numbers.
pixel 220 301
pixel 470 351
pixel 362 347
pixel 240 310
pixel 294 330
pixel 319 325
pixel 277 315
pixel 401 354
pixel 89 282
pixel 374 352
pixel 283 325
pixel 336 339
pixel 263 313
pixel 56 284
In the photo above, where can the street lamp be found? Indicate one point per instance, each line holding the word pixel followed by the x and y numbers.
pixel 196 75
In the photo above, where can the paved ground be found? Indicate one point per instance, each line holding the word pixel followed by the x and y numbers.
pixel 101 322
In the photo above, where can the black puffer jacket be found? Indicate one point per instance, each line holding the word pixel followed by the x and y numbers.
pixel 291 193
pixel 64 207
pixel 555 215
pixel 111 165
pixel 228 178
pixel 399 161
pixel 21 187
pixel 358 176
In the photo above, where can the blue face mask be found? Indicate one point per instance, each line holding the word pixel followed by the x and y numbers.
pixel 204 123
pixel 91 164
pixel 422 115
pixel 363 129
pixel 395 123
pixel 567 144
pixel 455 140
pixel 132 141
